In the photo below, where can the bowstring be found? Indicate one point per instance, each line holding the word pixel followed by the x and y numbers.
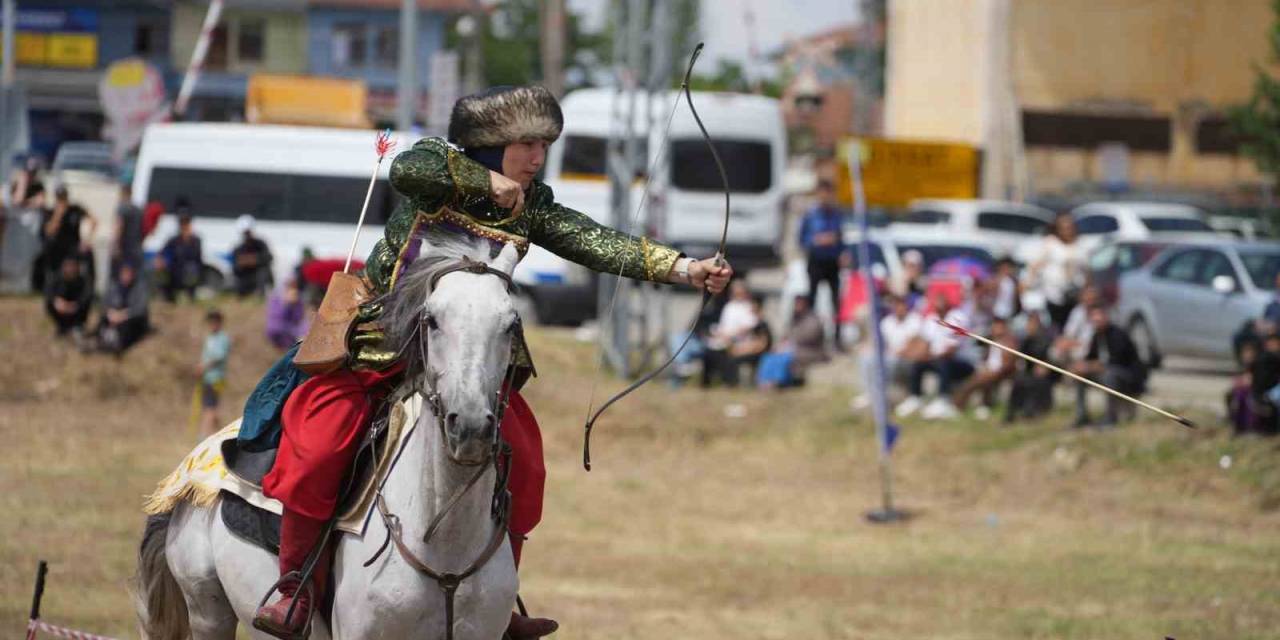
pixel 635 218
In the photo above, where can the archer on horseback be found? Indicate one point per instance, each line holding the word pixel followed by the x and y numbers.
pixel 480 181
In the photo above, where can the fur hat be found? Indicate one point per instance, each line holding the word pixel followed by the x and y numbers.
pixel 500 116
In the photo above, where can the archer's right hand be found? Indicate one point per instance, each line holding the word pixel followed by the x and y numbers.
pixel 506 192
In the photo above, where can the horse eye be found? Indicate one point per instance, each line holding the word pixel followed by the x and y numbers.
pixel 431 322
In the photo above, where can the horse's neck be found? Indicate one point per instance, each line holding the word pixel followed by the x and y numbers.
pixel 423 482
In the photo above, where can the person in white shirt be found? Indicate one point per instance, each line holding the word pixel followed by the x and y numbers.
pixel 997 367
pixel 900 331
pixel 947 357
pixel 1057 273
pixel 1077 332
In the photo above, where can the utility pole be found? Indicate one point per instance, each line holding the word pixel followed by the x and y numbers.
pixel 407 89
pixel 552 22
pixel 9 16
pixel 473 78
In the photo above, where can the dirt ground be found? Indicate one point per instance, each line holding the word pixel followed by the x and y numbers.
pixel 695 524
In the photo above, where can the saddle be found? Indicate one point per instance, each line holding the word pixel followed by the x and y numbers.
pixel 261 526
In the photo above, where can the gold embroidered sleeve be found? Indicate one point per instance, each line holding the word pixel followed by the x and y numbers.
pixel 574 236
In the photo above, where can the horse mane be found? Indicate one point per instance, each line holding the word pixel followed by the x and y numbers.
pixel 402 306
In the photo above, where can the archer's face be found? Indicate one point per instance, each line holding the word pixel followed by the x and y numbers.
pixel 521 161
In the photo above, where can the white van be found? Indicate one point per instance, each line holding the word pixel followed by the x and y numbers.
pixel 303 185
pixel 749 133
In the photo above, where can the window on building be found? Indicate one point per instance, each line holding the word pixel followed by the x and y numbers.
pixel 349 43
pixel 386 46
pixel 149 38
pixel 216 59
pixel 251 40
pixel 1086 131
pixel 1215 135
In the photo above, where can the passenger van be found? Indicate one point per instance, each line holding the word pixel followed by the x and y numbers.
pixel 749 134
pixel 303 185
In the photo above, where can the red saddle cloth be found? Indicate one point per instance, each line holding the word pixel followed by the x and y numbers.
pixel 325 420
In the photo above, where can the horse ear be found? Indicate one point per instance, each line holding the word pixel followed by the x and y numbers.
pixel 507 258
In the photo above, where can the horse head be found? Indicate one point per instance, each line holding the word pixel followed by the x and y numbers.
pixel 453 316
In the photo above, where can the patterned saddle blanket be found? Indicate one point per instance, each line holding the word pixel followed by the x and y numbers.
pixel 218 468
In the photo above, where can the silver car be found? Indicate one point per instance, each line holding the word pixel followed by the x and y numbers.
pixel 1193 298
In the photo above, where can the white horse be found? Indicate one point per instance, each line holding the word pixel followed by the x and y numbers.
pixel 196 579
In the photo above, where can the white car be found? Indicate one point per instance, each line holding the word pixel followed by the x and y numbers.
pixel 999 226
pixel 1099 221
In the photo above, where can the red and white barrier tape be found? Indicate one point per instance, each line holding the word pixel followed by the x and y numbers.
pixel 61 632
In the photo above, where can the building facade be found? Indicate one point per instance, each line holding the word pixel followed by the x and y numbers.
pixel 1085 95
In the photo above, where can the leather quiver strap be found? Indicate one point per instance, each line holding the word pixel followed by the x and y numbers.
pixel 325 348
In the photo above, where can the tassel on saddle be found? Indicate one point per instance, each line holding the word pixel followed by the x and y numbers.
pixel 325 348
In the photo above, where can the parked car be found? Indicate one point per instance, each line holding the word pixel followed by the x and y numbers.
pixel 1192 298
pixel 1109 262
pixel 999 226
pixel 1098 222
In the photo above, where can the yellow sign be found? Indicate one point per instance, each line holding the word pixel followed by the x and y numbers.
pixel 895 172
pixel 67 50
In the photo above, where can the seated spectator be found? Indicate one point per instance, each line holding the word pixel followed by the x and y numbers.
pixel 250 260
pixel 1006 294
pixel 1031 395
pixel 947 356
pixel 1077 332
pixel 801 347
pixel 1113 361
pixel 1264 389
pixel 1252 333
pixel 180 264
pixel 287 317
pixel 741 337
pixel 124 312
pixel 998 366
pixel 69 298
pixel 900 333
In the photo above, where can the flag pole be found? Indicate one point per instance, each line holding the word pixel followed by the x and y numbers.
pixel 382 146
pixel 875 387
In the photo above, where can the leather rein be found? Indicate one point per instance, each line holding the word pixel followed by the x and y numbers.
pixel 499 459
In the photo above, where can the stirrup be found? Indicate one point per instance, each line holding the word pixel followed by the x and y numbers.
pixel 304 591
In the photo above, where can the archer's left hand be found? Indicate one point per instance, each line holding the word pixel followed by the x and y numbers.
pixel 706 274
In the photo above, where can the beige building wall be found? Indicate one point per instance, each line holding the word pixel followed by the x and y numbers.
pixel 1185 60
pixel 285 38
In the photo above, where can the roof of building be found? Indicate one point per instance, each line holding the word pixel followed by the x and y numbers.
pixel 432 5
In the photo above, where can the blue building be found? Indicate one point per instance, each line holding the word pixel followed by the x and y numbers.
pixel 61 49
pixel 360 39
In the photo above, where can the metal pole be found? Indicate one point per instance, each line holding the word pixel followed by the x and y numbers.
pixel 197 57
pixel 9 16
pixel 876 387
pixel 407 87
pixel 474 76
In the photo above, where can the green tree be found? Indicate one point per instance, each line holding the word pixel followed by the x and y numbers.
pixel 1257 122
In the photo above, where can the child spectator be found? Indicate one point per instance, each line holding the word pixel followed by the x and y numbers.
pixel 69 298
pixel 213 371
pixel 286 316
pixel 181 262
pixel 124 312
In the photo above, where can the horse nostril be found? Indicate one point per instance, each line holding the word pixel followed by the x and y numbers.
pixel 451 421
pixel 490 421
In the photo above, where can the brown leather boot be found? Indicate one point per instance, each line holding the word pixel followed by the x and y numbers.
pixel 524 627
pixel 298 535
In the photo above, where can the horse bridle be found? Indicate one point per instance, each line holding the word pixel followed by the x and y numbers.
pixel 499 458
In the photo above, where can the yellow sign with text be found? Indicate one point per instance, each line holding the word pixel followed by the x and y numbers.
pixel 895 172
pixel 66 50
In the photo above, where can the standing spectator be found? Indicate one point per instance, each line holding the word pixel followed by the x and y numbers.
pixel 910 285
pixel 801 347
pixel 1111 360
pixel 181 262
pixel 250 260
pixel 286 316
pixel 126 245
pixel 1031 395
pixel 1058 271
pixel 945 357
pixel 822 238
pixel 213 371
pixel 124 311
pixel 61 233
pixel 1007 295
pixel 70 295
pixel 998 367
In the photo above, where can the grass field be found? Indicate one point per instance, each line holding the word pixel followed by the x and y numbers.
pixel 697 525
